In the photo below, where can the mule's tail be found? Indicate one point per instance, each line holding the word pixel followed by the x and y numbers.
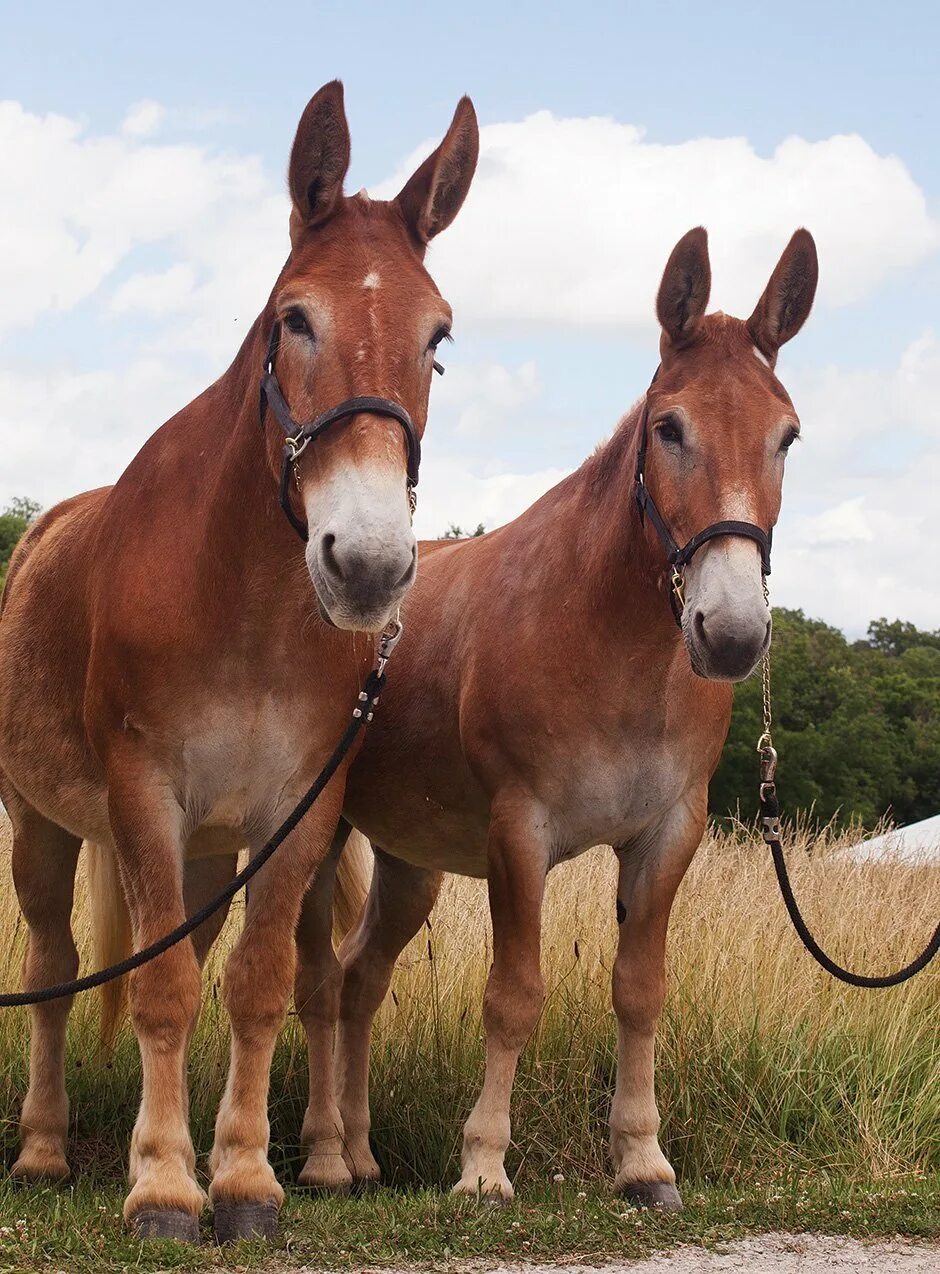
pixel 111 928
pixel 353 877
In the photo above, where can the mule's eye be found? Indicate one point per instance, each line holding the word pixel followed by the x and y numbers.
pixel 670 431
pixel 442 334
pixel 789 439
pixel 296 322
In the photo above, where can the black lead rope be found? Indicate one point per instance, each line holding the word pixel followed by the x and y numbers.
pixel 362 715
pixel 770 824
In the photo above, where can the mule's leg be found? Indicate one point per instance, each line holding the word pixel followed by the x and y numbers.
pixel 203 878
pixel 245 1193
pixel 649 877
pixel 165 1200
pixel 399 902
pixel 316 997
pixel 44 861
pixel 515 991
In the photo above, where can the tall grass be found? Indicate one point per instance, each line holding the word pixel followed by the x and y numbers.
pixel 766 1067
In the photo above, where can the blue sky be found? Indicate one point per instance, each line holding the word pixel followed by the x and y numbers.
pixel 226 84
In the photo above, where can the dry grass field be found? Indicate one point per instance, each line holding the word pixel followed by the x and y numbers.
pixel 775 1082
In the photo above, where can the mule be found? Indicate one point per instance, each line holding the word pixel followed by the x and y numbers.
pixel 169 689
pixel 544 701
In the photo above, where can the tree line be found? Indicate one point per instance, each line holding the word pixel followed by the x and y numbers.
pixel 856 723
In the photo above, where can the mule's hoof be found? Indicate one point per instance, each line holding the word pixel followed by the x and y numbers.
pixel 495 1196
pixel 327 1174
pixel 233 1220
pixel 652 1194
pixel 45 1169
pixel 165 1223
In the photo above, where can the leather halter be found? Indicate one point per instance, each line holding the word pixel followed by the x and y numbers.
pixel 676 557
pixel 297 437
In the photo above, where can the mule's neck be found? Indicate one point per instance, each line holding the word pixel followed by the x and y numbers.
pixel 620 564
pixel 241 485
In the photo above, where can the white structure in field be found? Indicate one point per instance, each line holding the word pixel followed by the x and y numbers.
pixel 917 843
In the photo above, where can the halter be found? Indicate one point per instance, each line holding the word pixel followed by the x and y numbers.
pixel 298 437
pixel 678 558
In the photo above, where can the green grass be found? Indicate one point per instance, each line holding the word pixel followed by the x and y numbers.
pixel 78 1230
pixel 788 1101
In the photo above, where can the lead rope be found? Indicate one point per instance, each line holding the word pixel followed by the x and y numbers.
pixel 770 830
pixel 362 714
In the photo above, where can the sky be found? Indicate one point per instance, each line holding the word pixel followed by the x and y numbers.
pixel 143 218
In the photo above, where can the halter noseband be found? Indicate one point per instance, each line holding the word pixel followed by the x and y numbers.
pixel 298 437
pixel 677 557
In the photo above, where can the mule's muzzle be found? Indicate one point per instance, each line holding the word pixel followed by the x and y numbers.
pixel 359 587
pixel 726 647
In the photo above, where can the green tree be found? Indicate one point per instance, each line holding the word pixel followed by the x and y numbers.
pixel 14 520
pixel 455 532
pixel 857 725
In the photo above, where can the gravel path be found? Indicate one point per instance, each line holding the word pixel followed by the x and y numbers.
pixel 765 1254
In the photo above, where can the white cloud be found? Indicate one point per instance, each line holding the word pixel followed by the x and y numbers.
pixel 568 224
pixel 161 292
pixel 63 432
pixel 452 492
pixel 73 208
pixel 571 220
pixel 143 119
pixel 484 398
pixel 845 523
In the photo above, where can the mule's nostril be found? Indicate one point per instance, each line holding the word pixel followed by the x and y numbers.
pixel 699 625
pixel 410 570
pixel 328 556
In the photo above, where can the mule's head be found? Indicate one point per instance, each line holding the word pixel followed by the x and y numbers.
pixel 360 315
pixel 719 427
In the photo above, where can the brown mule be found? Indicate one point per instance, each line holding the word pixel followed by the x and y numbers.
pixel 168 691
pixel 543 701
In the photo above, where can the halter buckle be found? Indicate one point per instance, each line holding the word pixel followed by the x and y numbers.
pixel 391 636
pixel 768 760
pixel 296 445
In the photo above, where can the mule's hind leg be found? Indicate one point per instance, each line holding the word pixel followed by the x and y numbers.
pixel 649 877
pixel 399 902
pixel 44 861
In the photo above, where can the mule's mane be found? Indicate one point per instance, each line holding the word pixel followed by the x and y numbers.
pixel 612 459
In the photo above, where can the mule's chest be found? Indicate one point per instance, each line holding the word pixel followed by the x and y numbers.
pixel 240 760
pixel 610 791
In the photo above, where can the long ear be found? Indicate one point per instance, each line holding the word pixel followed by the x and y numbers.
pixel 788 298
pixel 433 196
pixel 319 159
pixel 687 281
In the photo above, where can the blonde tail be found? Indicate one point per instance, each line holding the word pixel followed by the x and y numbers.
pixel 111 927
pixel 353 877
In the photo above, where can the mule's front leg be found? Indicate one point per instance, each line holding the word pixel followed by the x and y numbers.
pixel 648 879
pixel 316 997
pixel 245 1193
pixel 165 1199
pixel 517 864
